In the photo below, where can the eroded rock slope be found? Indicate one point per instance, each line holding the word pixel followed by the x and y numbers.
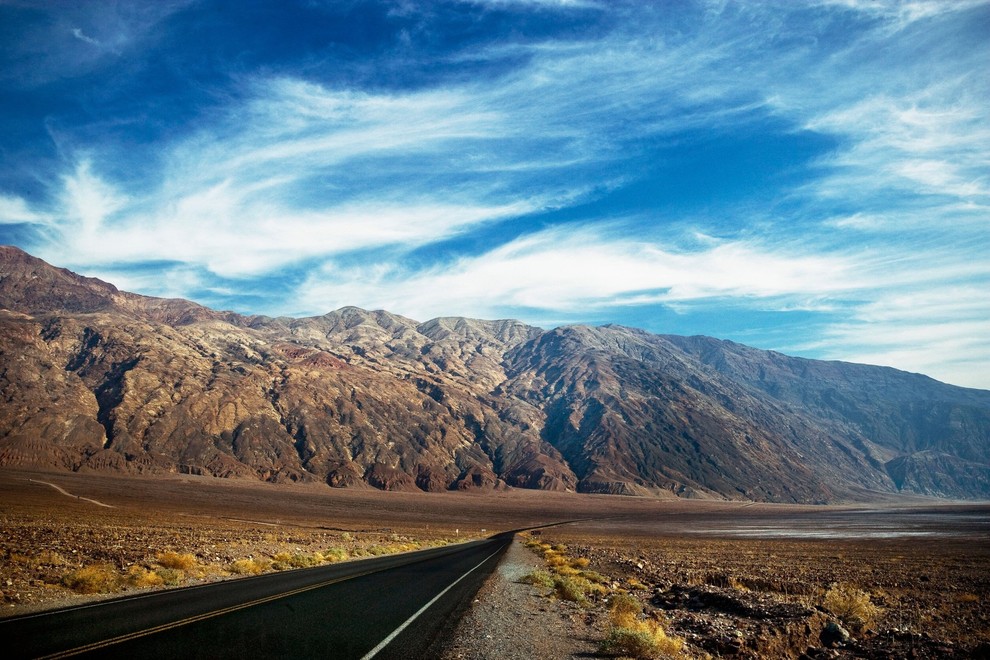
pixel 95 378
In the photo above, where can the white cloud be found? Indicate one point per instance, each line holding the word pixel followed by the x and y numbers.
pixel 313 172
pixel 923 143
pixel 164 281
pixel 859 221
pixel 78 34
pixel 88 202
pixel 943 332
pixel 572 271
pixel 14 210
pixel 899 14
pixel 300 170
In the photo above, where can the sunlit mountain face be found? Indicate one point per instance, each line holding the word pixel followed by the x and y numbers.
pixel 94 378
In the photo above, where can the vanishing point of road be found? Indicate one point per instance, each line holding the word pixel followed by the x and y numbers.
pixel 401 606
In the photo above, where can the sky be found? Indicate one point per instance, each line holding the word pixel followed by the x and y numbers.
pixel 809 177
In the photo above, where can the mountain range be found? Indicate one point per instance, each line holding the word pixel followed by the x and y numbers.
pixel 93 378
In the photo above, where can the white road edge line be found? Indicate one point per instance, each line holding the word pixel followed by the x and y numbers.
pixel 395 633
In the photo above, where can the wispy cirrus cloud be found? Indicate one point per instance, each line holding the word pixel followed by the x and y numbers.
pixel 307 172
pixel 899 14
pixel 341 170
pixel 932 331
pixel 81 36
pixel 14 210
pixel 573 271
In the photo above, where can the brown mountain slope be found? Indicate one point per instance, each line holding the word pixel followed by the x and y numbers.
pixel 95 378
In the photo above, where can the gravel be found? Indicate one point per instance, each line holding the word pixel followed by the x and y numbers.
pixel 513 620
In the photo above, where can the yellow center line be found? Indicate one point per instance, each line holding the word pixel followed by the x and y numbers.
pixel 200 617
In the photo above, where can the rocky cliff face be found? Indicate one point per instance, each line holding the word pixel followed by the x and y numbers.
pixel 92 378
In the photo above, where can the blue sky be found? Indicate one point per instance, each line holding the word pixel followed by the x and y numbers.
pixel 810 177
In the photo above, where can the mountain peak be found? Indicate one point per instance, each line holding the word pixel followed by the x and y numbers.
pixel 30 284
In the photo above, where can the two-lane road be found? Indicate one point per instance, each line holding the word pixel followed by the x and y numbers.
pixel 388 607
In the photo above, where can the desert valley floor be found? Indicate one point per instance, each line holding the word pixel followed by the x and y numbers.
pixel 724 576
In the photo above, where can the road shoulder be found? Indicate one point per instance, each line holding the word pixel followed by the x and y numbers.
pixel 513 620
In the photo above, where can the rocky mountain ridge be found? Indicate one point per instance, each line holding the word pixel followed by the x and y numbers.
pixel 92 378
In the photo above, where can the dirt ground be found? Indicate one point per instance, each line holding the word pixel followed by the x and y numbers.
pixel 732 595
pixel 732 580
pixel 56 524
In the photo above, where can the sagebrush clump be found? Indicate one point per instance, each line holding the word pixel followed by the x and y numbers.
pixel 249 566
pixel 539 579
pixel 567 577
pixel 853 606
pixel 336 554
pixel 572 589
pixel 632 635
pixel 179 562
pixel 93 579
pixel 139 576
pixel 172 577
pixel 285 560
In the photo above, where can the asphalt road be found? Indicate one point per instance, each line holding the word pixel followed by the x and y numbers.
pixel 400 606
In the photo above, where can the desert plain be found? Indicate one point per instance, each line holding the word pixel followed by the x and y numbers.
pixel 730 579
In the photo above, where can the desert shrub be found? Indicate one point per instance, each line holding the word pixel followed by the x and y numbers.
pixel 174 560
pixel 248 567
pixel 632 636
pixel 286 560
pixel 573 589
pixel 596 590
pixel 594 577
pixel 539 578
pixel 139 576
pixel 851 605
pixel 647 641
pixel 565 570
pixel 579 562
pixel 555 560
pixel 93 579
pixel 624 610
pixel 172 576
pixel 336 554
pixel 307 561
pixel 346 536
